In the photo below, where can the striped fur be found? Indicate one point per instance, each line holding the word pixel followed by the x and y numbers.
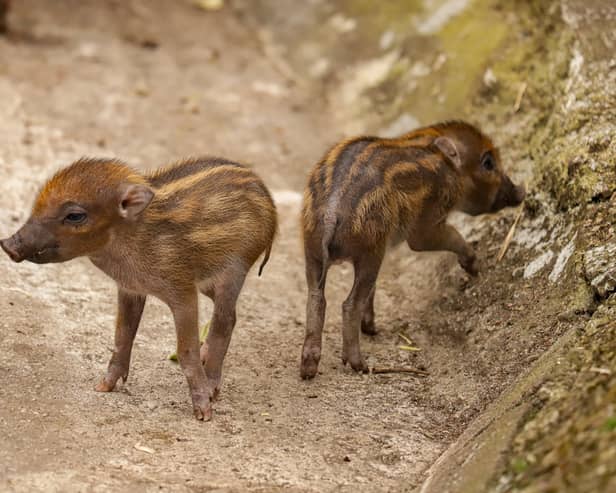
pixel 221 208
pixel 375 186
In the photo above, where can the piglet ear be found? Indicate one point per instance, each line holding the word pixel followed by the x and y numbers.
pixel 134 199
pixel 448 148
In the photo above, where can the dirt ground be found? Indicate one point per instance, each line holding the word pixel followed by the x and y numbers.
pixel 150 84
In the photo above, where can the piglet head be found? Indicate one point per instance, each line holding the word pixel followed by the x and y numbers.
pixel 77 211
pixel 486 187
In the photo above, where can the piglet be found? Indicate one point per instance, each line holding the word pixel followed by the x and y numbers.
pixel 368 192
pixel 197 225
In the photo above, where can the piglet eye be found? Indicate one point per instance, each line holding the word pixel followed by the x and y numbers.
pixel 75 217
pixel 488 162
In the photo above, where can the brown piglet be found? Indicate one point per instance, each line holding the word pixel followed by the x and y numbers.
pixel 197 225
pixel 368 192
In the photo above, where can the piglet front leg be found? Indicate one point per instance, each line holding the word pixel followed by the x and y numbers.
pixel 446 237
pixel 130 309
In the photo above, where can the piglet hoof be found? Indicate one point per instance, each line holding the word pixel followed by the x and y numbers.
pixel 203 413
pixel 114 373
pixel 356 361
pixel 308 370
pixel 368 328
pixel 202 408
pixel 470 265
pixel 359 366
pixel 310 363
pixel 104 386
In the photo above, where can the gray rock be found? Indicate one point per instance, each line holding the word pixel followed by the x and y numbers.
pixel 600 268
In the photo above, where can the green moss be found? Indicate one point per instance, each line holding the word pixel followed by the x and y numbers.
pixel 469 41
pixel 562 115
pixel 519 465
pixel 610 424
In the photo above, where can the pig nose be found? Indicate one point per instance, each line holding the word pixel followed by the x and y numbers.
pixel 520 193
pixel 9 246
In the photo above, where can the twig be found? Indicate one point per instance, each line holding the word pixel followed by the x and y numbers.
pixel 414 371
pixel 509 236
pixel 405 338
pixel 518 99
pixel 409 348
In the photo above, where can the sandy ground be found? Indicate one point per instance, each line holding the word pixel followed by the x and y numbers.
pixel 82 78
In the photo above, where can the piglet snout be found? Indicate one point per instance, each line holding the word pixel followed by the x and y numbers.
pixel 509 195
pixel 519 194
pixel 11 247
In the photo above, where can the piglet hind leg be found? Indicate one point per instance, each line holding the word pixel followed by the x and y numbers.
pixel 185 314
pixel 315 318
pixel 214 350
pixel 130 309
pixel 354 307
